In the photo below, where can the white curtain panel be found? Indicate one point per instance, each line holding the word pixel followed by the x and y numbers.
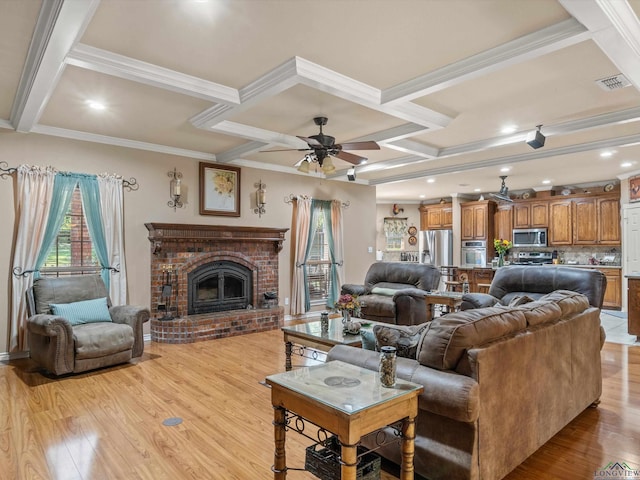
pixel 112 210
pixel 301 219
pixel 34 194
pixel 338 241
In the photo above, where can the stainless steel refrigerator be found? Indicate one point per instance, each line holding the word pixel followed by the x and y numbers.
pixel 436 247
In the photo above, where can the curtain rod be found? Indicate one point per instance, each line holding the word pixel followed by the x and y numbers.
pixel 6 171
pixel 292 197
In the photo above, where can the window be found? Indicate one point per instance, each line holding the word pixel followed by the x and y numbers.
pixel 394 232
pixel 72 251
pixel 318 264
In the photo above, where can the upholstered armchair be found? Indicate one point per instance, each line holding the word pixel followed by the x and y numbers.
pixel 72 326
pixel 393 292
pixel 515 282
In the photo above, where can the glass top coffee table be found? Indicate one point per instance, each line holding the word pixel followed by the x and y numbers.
pixel 349 402
pixel 309 341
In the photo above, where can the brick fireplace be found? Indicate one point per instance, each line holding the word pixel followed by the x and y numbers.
pixel 180 251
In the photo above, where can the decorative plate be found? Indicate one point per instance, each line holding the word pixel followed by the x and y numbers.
pixel 566 191
pixel 412 240
pixel 608 187
pixel 413 230
pixel 526 195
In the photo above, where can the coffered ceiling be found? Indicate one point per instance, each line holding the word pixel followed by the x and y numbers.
pixel 432 81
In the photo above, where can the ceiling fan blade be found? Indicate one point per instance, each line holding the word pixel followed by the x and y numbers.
pixel 369 145
pixel 350 157
pixel 312 142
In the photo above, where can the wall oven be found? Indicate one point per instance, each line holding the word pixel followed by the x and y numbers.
pixel 530 237
pixel 474 254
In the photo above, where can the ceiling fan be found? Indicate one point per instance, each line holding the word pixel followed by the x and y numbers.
pixel 503 194
pixel 322 147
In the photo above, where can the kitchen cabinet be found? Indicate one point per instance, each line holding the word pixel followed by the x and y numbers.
pixel 613 292
pixel 531 214
pixel 436 217
pixel 481 275
pixel 560 222
pixel 633 292
pixel 596 221
pixel 477 220
pixel 503 223
pixel 475 276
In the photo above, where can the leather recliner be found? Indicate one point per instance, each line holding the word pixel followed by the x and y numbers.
pixel 393 292
pixel 515 281
pixel 60 347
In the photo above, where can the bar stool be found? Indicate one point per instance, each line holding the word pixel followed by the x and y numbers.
pixel 483 287
pixel 450 278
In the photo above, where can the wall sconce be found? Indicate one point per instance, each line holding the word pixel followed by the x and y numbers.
pixel 261 198
pixel 175 189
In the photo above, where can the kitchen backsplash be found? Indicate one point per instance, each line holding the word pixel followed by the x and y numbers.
pixel 603 255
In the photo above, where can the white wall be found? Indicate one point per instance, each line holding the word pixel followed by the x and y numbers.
pixel 149 204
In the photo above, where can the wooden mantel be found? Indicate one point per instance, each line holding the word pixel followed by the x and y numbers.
pixel 183 232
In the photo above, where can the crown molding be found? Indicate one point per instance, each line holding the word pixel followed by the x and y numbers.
pixel 120 142
pixel 6 124
pixel 60 24
pixel 541 42
pixel 109 63
pixel 415 148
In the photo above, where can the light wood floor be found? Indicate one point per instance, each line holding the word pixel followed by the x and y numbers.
pixel 108 424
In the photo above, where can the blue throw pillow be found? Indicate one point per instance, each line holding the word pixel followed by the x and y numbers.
pixel 87 311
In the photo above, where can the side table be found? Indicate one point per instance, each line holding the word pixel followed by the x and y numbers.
pixel 347 401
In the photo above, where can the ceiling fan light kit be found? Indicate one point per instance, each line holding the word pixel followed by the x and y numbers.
pixel 322 147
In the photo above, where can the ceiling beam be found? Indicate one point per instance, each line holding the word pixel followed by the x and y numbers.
pixel 525 157
pixel 60 25
pixel 527 47
pixel 616 30
pixel 109 63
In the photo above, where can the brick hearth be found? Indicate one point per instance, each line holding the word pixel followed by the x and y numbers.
pixel 180 248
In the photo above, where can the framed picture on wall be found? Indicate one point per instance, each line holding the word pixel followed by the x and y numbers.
pixel 219 190
pixel 634 189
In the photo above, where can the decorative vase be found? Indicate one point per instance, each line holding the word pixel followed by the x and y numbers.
pixel 346 316
pixel 501 259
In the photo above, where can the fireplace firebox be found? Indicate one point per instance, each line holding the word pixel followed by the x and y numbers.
pixel 218 287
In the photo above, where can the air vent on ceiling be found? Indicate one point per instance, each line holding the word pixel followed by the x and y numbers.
pixel 613 83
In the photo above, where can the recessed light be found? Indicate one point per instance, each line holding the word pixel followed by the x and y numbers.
pixel 546 182
pixel 477 189
pixel 509 129
pixel 626 164
pixel 606 154
pixel 505 169
pixel 431 180
pixel 96 105
pixel 423 196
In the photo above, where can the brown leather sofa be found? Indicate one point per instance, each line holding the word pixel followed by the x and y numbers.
pixel 393 292
pixel 516 281
pixel 60 347
pixel 499 383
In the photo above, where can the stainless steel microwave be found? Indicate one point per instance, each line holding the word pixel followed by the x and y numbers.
pixel 530 237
